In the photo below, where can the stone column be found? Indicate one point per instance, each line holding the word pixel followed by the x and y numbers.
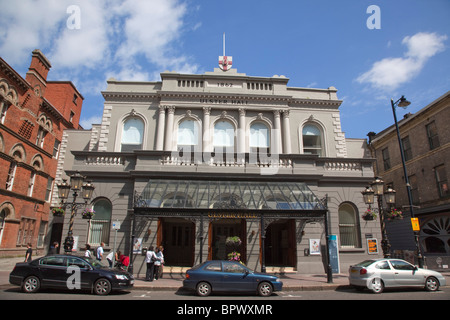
pixel 161 127
pixel 287 147
pixel 169 128
pixel 277 146
pixel 206 129
pixel 241 132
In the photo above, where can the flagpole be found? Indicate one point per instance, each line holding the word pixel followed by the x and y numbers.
pixel 224 44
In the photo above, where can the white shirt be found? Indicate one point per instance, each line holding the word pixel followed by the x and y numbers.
pixel 149 255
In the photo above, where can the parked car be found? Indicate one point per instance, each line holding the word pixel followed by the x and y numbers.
pixel 229 276
pixel 378 274
pixel 60 271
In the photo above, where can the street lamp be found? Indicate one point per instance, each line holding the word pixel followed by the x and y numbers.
pixel 376 189
pixel 403 103
pixel 76 185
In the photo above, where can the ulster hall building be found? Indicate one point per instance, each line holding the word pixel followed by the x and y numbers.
pixel 195 160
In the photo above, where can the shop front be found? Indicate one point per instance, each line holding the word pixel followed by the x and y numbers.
pixel 256 222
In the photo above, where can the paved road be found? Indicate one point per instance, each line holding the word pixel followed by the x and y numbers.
pixel 14 293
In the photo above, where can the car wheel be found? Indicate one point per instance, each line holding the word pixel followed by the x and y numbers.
pixel 102 287
pixel 431 284
pixel 204 289
pixel 31 284
pixel 265 289
pixel 377 285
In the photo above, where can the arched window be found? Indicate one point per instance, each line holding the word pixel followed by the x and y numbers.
pixel 187 133
pixel 223 134
pixel 435 234
pixel 132 134
pixel 259 137
pixel 101 222
pixel 312 140
pixel 348 226
pixel 224 142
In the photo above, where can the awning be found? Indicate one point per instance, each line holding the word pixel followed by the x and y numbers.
pixel 228 195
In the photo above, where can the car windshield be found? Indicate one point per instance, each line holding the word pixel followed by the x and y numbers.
pixel 365 263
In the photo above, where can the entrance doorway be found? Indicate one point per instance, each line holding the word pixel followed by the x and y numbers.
pixel 279 245
pixel 178 241
pixel 222 229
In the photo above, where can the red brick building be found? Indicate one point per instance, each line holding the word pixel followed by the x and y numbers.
pixel 33 114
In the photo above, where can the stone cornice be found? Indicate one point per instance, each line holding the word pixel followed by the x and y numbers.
pixel 163 95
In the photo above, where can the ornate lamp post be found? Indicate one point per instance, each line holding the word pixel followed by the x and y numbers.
pixel 376 189
pixel 76 185
pixel 403 103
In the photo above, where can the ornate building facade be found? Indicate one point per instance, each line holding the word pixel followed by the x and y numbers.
pixel 34 113
pixel 195 159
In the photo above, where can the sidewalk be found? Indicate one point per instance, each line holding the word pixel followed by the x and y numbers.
pixel 173 282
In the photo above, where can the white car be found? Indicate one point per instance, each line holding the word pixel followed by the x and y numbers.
pixel 378 274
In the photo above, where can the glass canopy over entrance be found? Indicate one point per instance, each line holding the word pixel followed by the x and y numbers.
pixel 223 195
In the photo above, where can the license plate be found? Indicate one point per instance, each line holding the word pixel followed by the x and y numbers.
pixel 354 271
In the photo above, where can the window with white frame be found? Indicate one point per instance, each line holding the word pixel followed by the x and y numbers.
pixel 132 134
pixel 259 136
pixel 188 138
pixel 312 140
pixel 223 134
pixel 348 226
pixel 223 141
pixel 101 222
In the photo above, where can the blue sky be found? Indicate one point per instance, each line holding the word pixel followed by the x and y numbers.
pixel 317 44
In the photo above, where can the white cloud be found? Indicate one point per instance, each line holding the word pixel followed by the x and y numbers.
pixel 87 123
pixel 114 36
pixel 390 73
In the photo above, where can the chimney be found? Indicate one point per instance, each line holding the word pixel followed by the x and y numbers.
pixel 39 67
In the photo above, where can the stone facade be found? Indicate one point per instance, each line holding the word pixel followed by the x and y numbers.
pixel 229 127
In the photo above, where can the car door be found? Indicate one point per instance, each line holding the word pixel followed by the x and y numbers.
pixel 386 273
pixel 405 274
pixel 235 277
pixel 53 271
pixel 80 271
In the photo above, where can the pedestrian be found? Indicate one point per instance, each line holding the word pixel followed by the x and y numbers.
pixel 150 259
pixel 109 258
pixel 161 256
pixel 100 252
pixel 88 253
pixel 29 253
pixel 157 263
pixel 53 248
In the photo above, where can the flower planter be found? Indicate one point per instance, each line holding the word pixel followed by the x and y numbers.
pixel 58 212
pixel 87 214
pixel 394 214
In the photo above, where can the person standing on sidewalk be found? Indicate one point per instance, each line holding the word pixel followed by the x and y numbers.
pixel 150 259
pixel 158 262
pixel 29 253
pixel 100 252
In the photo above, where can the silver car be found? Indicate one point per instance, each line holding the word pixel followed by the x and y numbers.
pixel 378 274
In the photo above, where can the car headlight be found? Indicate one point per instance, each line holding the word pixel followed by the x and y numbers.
pixel 121 277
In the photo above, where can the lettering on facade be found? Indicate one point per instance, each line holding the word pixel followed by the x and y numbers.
pixel 230 215
pixel 224 101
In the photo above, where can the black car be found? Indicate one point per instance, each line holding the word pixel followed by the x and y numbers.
pixel 69 272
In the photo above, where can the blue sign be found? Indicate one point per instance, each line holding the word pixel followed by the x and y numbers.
pixel 334 253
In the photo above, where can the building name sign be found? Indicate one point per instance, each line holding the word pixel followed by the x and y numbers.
pixel 224 101
pixel 232 215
